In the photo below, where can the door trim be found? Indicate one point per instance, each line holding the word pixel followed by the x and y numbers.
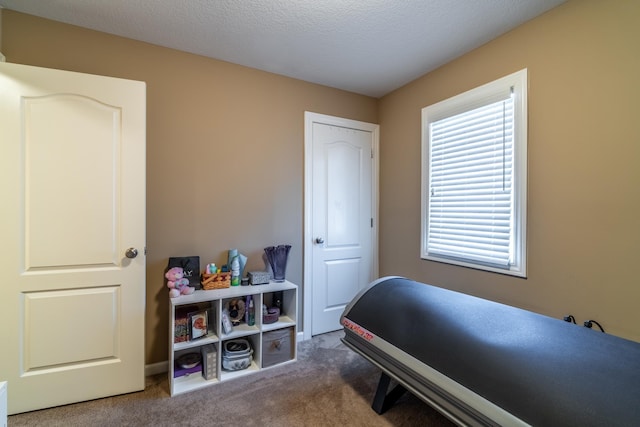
pixel 309 119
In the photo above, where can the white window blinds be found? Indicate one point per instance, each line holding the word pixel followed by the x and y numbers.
pixel 470 212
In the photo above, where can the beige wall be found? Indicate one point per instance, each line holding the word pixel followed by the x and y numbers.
pixel 224 147
pixel 245 128
pixel 584 174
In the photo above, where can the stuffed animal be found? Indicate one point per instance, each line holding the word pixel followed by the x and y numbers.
pixel 176 282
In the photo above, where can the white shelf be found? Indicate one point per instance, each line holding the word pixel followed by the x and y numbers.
pixel 241 330
pixel 191 382
pixel 230 375
pixel 283 322
pixel 214 301
pixel 211 338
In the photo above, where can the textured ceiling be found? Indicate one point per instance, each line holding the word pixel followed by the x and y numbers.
pixel 365 46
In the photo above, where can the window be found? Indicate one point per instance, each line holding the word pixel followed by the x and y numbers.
pixel 474 171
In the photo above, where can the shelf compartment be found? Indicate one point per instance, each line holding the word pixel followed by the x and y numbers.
pixel 254 342
pixel 182 321
pixel 286 301
pixel 229 375
pixel 191 382
pixel 237 308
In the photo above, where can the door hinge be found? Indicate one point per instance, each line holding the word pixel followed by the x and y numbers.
pixel 372 153
pixel 371 222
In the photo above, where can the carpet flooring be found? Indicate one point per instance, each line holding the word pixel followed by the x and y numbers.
pixel 329 385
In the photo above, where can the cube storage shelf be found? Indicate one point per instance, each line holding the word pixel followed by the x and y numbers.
pixel 260 336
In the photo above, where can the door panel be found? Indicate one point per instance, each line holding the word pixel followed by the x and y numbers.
pixel 73 187
pixel 93 314
pixel 344 166
pixel 343 279
pixel 342 212
pixel 56 127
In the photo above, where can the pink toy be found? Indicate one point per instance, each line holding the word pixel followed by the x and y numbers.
pixel 176 282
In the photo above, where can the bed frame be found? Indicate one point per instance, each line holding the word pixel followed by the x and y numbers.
pixel 482 363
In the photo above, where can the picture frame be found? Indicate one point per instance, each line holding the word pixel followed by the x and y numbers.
pixel 198 324
pixel 227 327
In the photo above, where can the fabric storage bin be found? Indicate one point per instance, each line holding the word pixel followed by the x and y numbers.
pixel 277 347
pixel 236 355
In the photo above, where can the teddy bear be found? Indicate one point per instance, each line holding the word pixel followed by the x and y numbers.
pixel 176 282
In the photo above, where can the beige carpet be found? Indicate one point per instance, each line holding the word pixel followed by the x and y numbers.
pixel 329 385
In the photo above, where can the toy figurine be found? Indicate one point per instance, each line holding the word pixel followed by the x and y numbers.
pixel 176 282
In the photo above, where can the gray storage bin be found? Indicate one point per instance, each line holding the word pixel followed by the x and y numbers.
pixel 236 355
pixel 277 346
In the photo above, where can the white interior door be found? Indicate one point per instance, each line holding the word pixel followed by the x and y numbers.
pixel 341 239
pixel 73 193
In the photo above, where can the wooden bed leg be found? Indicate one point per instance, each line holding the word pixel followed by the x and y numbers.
pixel 383 401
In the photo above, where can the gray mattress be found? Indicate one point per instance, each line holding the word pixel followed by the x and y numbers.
pixel 485 363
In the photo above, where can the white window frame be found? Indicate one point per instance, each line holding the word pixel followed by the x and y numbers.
pixel 516 83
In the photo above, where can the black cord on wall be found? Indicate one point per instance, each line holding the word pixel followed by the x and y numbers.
pixel 589 324
pixel 570 318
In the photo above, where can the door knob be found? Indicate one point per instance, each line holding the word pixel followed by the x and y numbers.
pixel 131 253
pixel 319 240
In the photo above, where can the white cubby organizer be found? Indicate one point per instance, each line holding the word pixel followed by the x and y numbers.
pixel 214 302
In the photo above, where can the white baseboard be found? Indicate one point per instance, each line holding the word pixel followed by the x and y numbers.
pixel 162 367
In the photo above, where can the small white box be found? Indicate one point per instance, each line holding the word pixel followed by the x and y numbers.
pixel 259 277
pixel 209 361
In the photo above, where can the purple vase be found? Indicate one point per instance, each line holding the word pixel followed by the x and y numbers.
pixel 277 257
